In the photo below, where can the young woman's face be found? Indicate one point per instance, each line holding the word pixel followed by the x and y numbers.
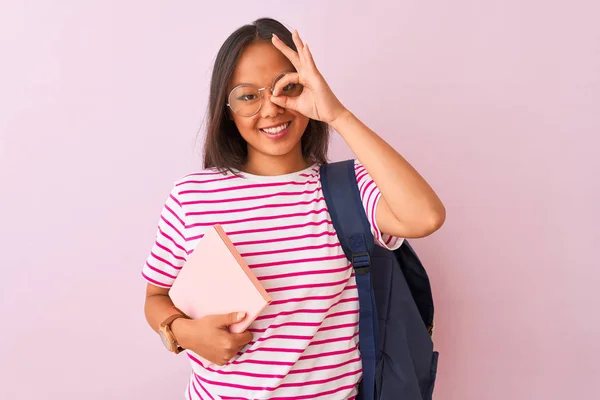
pixel 259 65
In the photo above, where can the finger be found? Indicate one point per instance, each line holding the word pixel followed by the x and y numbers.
pixel 286 102
pixel 297 41
pixel 242 339
pixel 231 318
pixel 285 49
pixel 308 56
pixel 300 45
pixel 290 77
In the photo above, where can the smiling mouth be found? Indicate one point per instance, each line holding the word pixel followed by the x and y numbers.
pixel 276 129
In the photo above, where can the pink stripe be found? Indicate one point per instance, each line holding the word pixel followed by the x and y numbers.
pixel 264 362
pixel 157 283
pixel 288 250
pixel 341 313
pixel 175 215
pixel 340 326
pixel 233 398
pixel 324 367
pixel 328 354
pixel 280 228
pixel 308 310
pixel 309 298
pixel 364 192
pixel 256 186
pixel 175 200
pixel 298 337
pixel 208 180
pixel 234 199
pixel 254 330
pixel 196 390
pixel 240 373
pixel 361 189
pixel 291 337
pixel 373 223
pixel 312 396
pixel 368 202
pixel 304 273
pixel 168 250
pixel 273 350
pixel 303 260
pixel 192 238
pixel 310 286
pixel 271 389
pixel 360 175
pixel 256 207
pixel 172 226
pixel 313 175
pixel 315 172
pixel 284 239
pixel 372 213
pixel 333 340
pixel 162 260
pixel 202 387
pixel 253 219
pixel 162 233
pixel 159 271
pixel 359 168
pixel 238 362
pixel 292 312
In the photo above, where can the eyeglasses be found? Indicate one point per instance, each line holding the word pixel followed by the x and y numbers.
pixel 247 100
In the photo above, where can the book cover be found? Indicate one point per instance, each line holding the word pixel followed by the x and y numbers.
pixel 216 280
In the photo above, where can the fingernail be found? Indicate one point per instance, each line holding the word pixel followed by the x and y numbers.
pixel 275 36
pixel 241 315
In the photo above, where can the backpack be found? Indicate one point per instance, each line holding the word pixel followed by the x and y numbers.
pixel 396 304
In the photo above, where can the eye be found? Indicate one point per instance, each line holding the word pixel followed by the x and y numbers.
pixel 247 97
pixel 289 87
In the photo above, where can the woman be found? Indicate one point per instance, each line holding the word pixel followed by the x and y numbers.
pixel 269 116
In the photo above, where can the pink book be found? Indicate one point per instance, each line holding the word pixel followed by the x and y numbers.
pixel 216 280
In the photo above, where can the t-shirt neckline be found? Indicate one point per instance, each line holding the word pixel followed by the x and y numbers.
pixel 312 169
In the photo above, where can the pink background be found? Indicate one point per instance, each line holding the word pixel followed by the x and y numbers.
pixel 496 103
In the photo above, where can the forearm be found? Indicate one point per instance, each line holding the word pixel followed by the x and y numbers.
pixel 408 196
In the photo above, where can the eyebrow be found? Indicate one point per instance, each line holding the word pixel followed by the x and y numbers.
pixel 252 84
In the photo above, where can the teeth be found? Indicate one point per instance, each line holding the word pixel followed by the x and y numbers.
pixel 276 129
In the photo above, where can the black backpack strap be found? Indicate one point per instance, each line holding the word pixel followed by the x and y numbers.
pixel 338 181
pixel 340 190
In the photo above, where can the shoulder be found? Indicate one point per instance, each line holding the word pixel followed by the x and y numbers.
pixel 202 181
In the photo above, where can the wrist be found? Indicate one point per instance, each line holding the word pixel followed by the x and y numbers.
pixel 179 328
pixel 341 119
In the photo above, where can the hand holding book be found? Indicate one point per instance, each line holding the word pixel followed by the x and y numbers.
pixel 210 338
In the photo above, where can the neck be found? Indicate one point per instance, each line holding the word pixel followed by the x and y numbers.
pixel 265 165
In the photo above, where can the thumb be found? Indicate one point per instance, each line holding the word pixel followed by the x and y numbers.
pixel 233 318
pixel 286 102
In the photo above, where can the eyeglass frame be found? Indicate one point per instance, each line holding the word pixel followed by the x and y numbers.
pixel 260 91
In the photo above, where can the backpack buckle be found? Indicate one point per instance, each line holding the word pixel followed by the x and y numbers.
pixel 361 262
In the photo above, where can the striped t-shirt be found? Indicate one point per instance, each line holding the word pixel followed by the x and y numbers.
pixel 305 343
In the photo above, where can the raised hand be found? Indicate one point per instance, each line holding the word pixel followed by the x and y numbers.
pixel 317 100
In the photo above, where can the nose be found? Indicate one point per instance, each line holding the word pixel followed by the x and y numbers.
pixel 269 109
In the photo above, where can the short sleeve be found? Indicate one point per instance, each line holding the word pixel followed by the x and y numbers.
pixel 168 254
pixel 370 195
